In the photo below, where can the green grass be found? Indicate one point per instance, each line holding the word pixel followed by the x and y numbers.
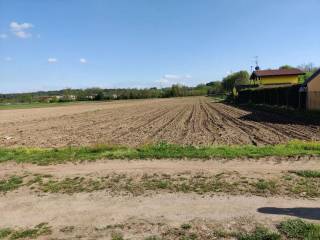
pixel 225 182
pixel 259 234
pixel 299 229
pixel 36 105
pixel 5 232
pixel 116 236
pixel 265 185
pixel 308 173
pixel 10 184
pixel 30 233
pixel 218 97
pixel 44 156
pixel 185 226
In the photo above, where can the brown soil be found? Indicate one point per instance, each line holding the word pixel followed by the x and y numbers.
pixel 194 120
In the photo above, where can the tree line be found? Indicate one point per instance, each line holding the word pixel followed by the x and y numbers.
pixel 224 86
pixel 99 94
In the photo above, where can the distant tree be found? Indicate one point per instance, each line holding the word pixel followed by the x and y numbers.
pixel 99 96
pixel 214 87
pixel 238 78
pixel 286 67
pixel 309 69
pixel 178 90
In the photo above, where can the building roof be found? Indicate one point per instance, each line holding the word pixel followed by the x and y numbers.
pixel 312 77
pixel 277 72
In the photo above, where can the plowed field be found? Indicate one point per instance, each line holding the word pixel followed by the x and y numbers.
pixel 196 121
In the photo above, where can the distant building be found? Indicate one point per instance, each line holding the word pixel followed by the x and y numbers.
pixel 312 89
pixel 90 97
pixel 72 97
pixel 275 77
pixel 49 99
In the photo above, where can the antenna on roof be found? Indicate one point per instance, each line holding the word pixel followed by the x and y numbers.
pixel 256 58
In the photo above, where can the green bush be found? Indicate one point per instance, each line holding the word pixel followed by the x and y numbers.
pixel 260 233
pixel 299 229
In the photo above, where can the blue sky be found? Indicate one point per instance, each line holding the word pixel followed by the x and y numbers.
pixel 55 44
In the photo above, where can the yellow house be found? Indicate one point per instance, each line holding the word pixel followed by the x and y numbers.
pixel 312 88
pixel 275 77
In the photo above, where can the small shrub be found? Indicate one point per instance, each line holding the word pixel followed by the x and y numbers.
pixel 5 232
pixel 299 229
pixel 260 234
pixel 265 185
pixel 185 226
pixel 191 236
pixel 116 236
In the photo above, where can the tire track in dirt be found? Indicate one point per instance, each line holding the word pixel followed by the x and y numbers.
pixel 263 120
pixel 255 132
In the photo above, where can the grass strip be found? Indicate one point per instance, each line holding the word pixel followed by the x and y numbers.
pixel 31 233
pixel 13 106
pixel 45 156
pixel 294 229
pixel 299 229
pixel 308 173
pixel 231 183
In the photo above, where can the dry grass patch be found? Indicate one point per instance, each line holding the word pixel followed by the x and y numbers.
pixel 286 184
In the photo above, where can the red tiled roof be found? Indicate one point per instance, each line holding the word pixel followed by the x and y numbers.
pixel 278 72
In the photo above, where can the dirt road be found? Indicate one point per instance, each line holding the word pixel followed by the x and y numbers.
pixel 97 214
pixel 194 120
pixel 262 166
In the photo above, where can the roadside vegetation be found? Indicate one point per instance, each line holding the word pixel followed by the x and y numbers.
pixel 10 184
pixel 308 173
pixel 30 233
pixel 294 229
pixel 44 156
pixel 233 183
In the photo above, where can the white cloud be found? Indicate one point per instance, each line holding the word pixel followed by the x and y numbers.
pixel 3 36
pixel 169 79
pixel 20 27
pixel 162 81
pixel 171 76
pixel 83 60
pixel 8 59
pixel 52 60
pixel 21 30
pixel 23 34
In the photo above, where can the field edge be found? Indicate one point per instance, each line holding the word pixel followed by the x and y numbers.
pixel 162 150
